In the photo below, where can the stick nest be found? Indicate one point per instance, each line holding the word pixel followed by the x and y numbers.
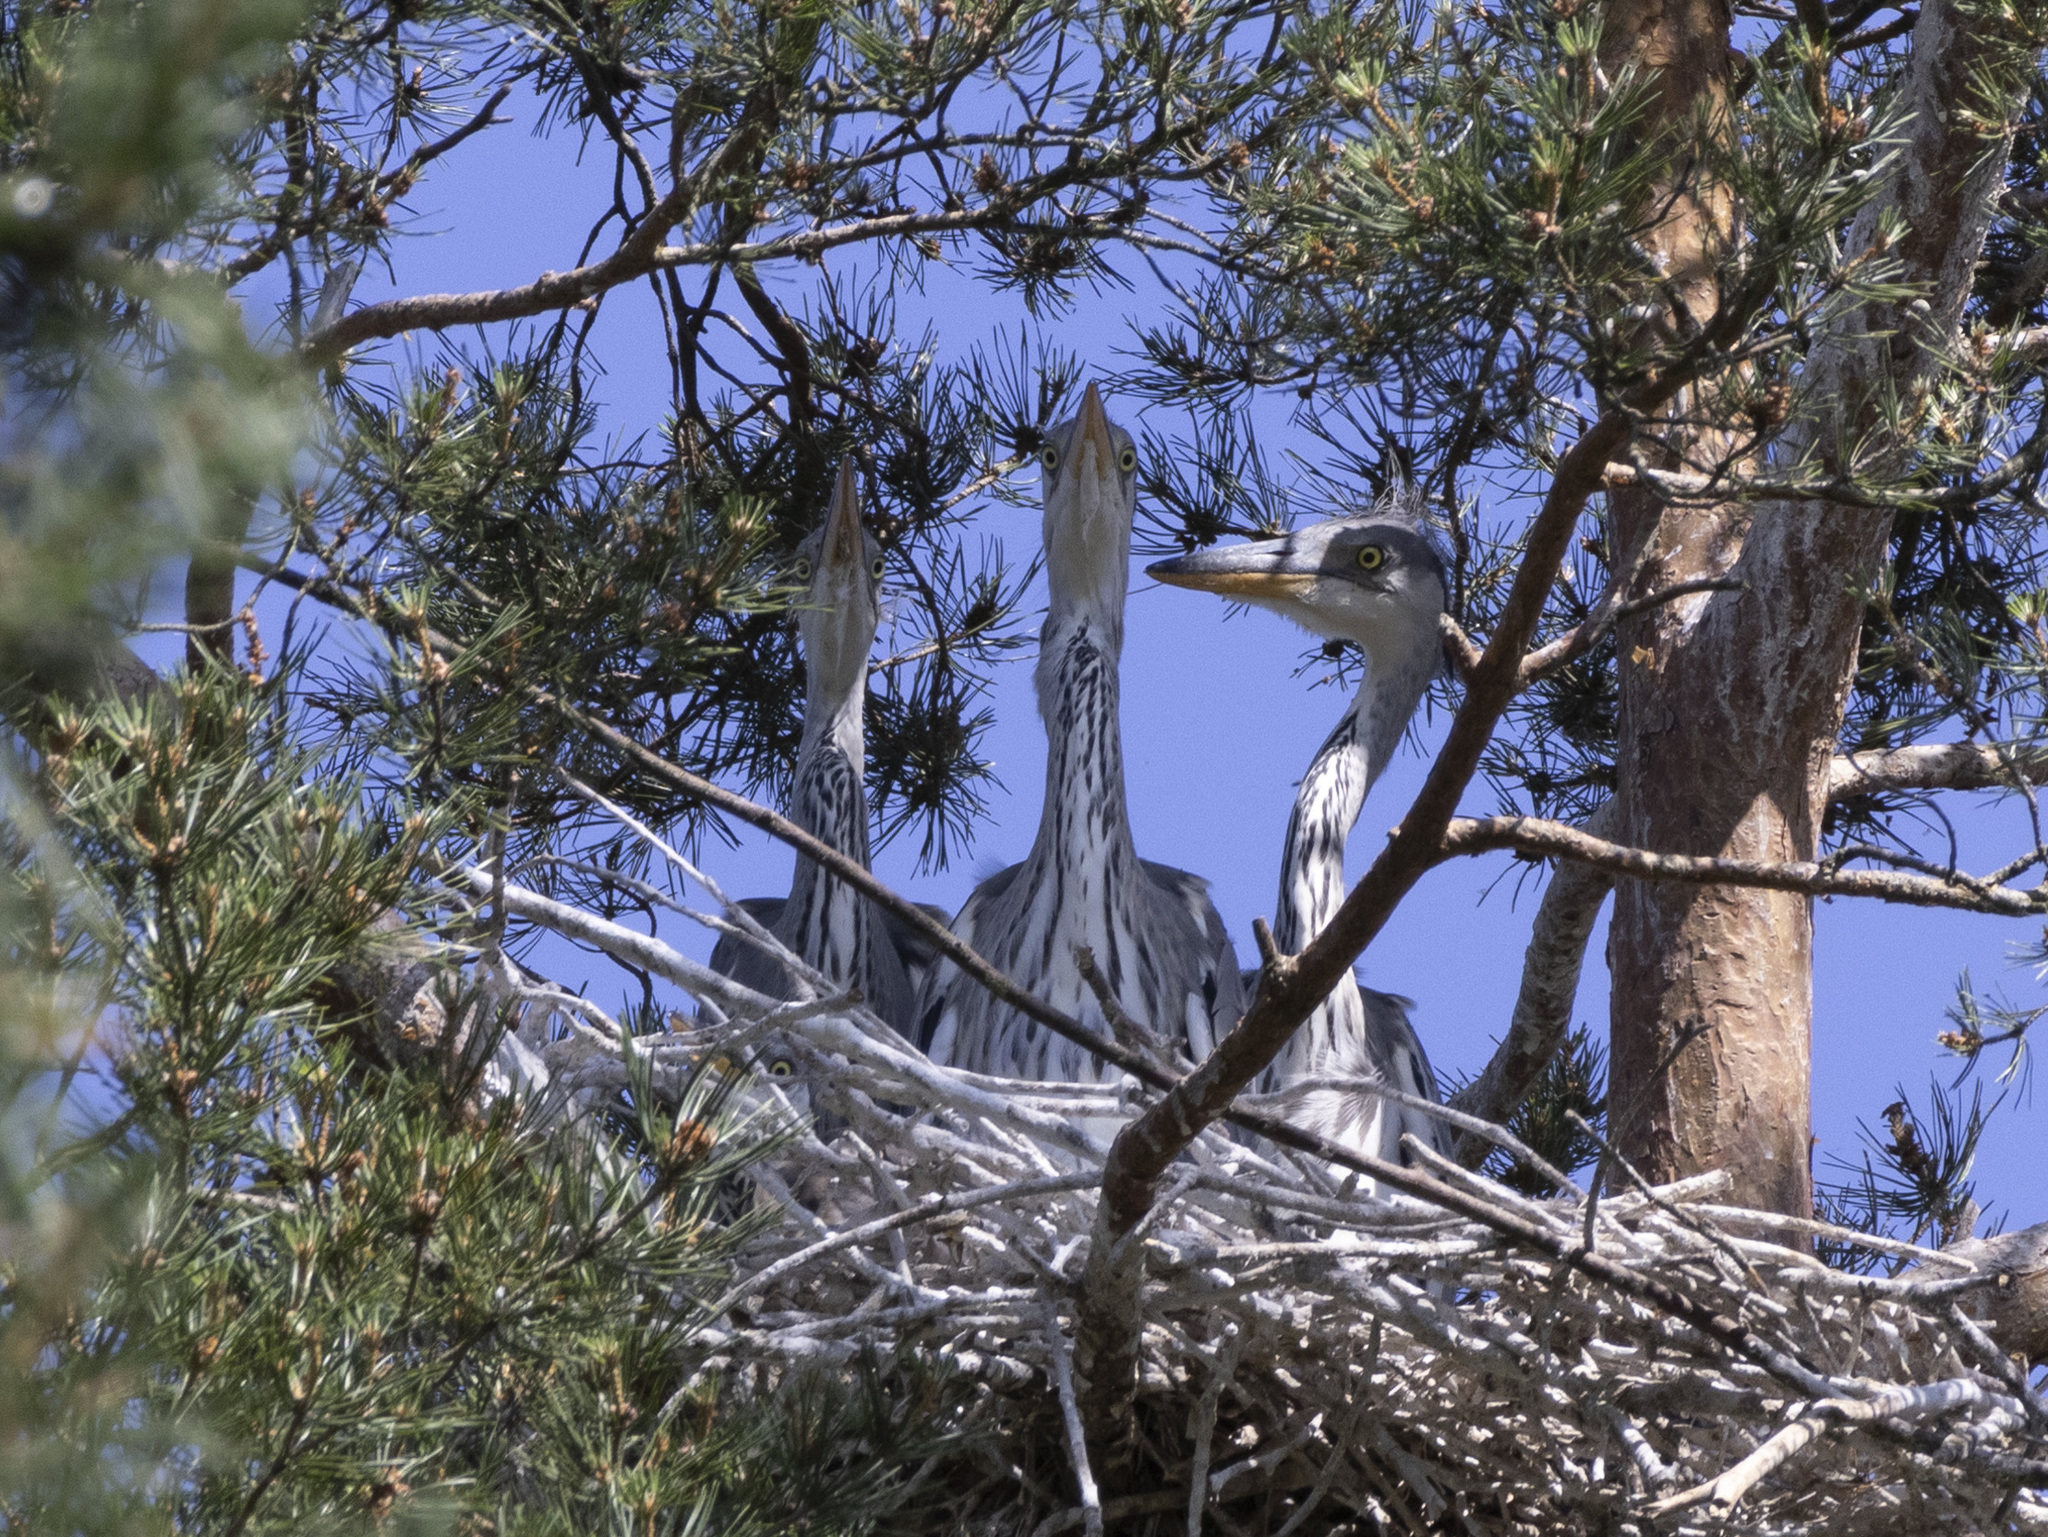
pixel 1319 1359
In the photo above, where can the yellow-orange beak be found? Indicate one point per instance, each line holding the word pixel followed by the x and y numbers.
pixel 1263 571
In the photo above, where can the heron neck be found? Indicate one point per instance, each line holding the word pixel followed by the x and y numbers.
pixel 1084 823
pixel 833 713
pixel 1312 883
pixel 825 921
pixel 1333 793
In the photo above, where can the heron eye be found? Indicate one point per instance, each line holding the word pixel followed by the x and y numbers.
pixel 780 1068
pixel 803 570
pixel 1127 460
pixel 1371 557
pixel 876 568
pixel 1049 457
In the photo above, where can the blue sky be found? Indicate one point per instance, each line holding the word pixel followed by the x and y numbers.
pixel 1216 728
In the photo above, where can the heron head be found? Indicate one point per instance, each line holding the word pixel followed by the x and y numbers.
pixel 1372 578
pixel 1090 467
pixel 840 569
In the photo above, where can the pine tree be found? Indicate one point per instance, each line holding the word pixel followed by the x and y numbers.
pixel 324 1208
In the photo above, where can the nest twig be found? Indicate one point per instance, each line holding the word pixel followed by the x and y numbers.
pixel 1311 1361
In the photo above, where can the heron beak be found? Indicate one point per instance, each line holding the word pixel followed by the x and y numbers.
pixel 1262 571
pixel 842 525
pixel 1093 429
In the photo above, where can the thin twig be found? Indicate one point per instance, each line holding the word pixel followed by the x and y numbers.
pixel 1070 1417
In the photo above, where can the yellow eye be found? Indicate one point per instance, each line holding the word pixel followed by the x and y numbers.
pixel 1127 460
pixel 1371 556
pixel 1049 457
pixel 802 570
pixel 780 1068
pixel 876 568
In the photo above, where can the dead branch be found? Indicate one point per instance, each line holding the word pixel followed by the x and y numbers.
pixel 1070 1419
pixel 1606 609
pixel 1542 1016
pixel 1905 1403
pixel 1944 766
pixel 1130 1032
pixel 1473 1330
pixel 1532 835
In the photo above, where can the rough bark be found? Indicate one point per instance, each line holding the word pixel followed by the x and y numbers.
pixel 1556 953
pixel 1935 766
pixel 1722 715
pixel 1730 702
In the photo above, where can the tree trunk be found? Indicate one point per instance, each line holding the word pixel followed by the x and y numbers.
pixel 1730 703
pixel 1729 707
pixel 2017 1307
pixel 1711 1005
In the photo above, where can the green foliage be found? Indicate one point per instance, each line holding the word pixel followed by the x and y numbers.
pixel 1912 1182
pixel 254 1275
pixel 643 580
pixel 1445 271
pixel 1574 1083
pixel 280 1289
pixel 649 594
pixel 140 417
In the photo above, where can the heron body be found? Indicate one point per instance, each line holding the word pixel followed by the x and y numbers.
pixel 1375 580
pixel 914 949
pixel 824 921
pixel 1154 934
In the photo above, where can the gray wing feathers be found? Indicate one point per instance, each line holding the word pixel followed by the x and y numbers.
pixel 1384 1047
pixel 892 990
pixel 914 950
pixel 746 962
pixel 1397 1053
pixel 1183 963
pixel 1209 956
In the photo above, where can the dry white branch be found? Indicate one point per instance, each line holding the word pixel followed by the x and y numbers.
pixel 1333 1355
pixel 1904 1403
pixel 1070 1419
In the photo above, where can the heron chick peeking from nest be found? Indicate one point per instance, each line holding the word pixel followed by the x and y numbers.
pixel 1157 941
pixel 1376 580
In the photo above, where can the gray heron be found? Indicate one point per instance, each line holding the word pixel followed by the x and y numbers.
pixel 1373 579
pixel 1155 935
pixel 822 920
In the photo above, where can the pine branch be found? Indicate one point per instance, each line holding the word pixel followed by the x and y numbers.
pixel 1542 1016
pixel 1532 835
pixel 1946 766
